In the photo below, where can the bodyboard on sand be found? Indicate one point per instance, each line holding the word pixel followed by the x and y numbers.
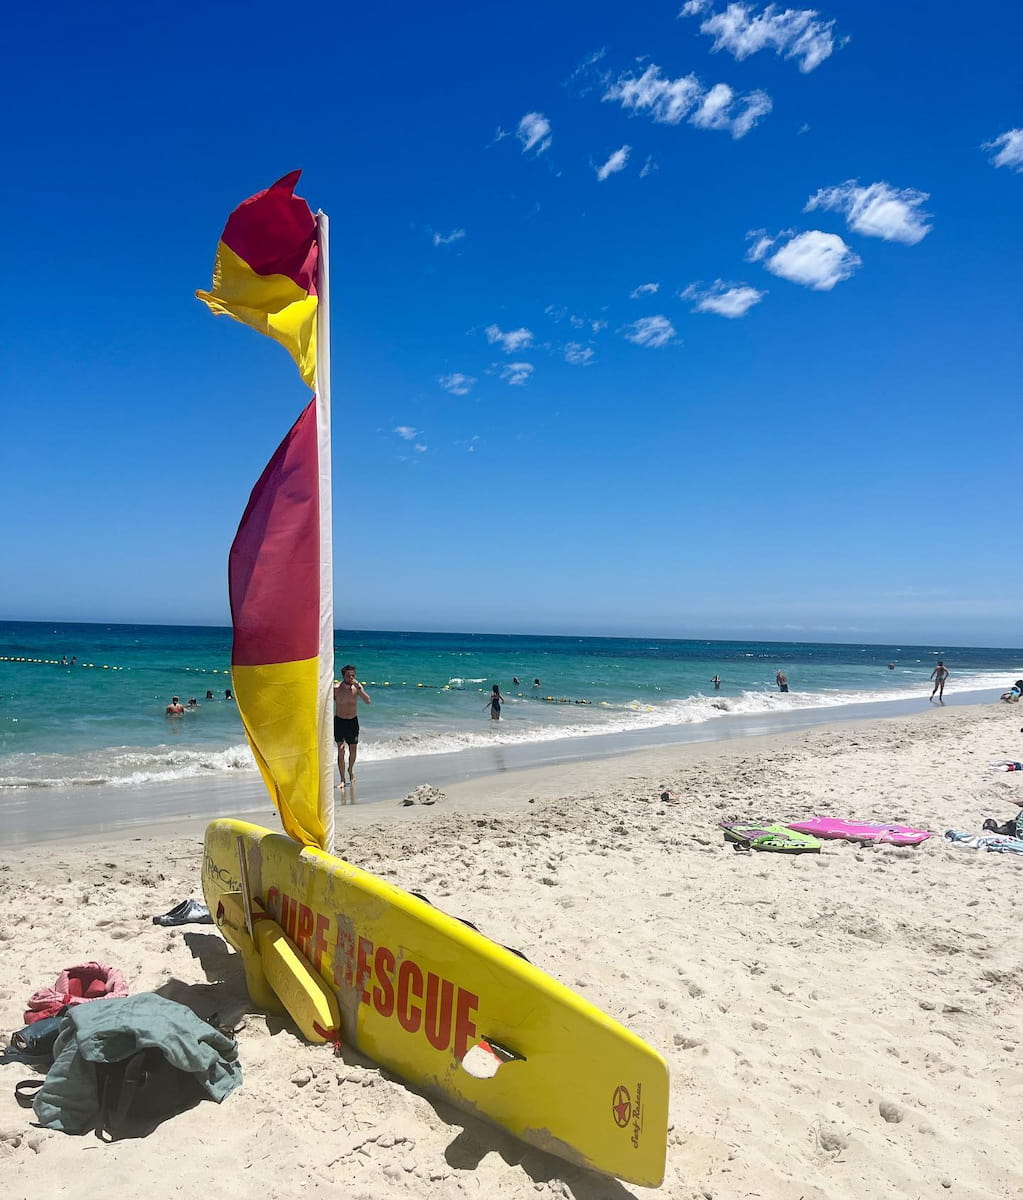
pixel 996 842
pixel 860 831
pixel 770 837
pixel 418 989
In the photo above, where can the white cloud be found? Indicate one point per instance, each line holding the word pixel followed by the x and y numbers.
pixel 815 259
pixel 726 299
pixel 578 355
pixel 878 210
pixel 648 166
pixel 407 432
pixel 792 32
pixel 445 239
pixel 559 313
pixel 534 132
pixel 420 448
pixel 669 101
pixel 650 331
pixel 515 339
pixel 457 383
pixel 644 289
pixel 615 163
pixel 715 111
pixel 1010 149
pixel 762 244
pixel 516 373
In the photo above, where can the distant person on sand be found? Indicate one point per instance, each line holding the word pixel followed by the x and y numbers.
pixel 495 702
pixel 347 695
pixel 939 675
pixel 1013 694
pixel 716 681
pixel 781 679
pixel 175 708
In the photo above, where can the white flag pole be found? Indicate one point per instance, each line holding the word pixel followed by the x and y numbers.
pixel 326 684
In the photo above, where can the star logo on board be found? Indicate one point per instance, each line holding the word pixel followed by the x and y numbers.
pixel 621 1106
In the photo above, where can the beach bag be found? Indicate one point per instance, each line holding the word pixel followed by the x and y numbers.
pixel 36 1041
pixel 125 1066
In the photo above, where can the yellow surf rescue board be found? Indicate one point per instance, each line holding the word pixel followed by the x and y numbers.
pixel 272 960
pixel 419 992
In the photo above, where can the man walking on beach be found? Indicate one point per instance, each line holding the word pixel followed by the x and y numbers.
pixel 347 695
pixel 939 675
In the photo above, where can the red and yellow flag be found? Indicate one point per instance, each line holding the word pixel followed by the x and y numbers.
pixel 279 567
pixel 266 268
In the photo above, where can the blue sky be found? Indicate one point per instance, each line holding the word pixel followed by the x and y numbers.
pixel 809 430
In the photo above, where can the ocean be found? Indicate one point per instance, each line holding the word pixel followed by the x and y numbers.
pixel 102 722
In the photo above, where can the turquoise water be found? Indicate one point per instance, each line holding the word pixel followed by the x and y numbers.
pixel 102 720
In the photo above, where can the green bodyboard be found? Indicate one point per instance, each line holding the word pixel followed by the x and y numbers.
pixel 770 837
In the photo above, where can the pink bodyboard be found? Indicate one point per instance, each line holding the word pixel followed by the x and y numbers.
pixel 859 831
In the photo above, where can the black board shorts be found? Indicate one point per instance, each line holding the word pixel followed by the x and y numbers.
pixel 346 729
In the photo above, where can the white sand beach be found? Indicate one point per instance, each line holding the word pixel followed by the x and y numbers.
pixel 837 1026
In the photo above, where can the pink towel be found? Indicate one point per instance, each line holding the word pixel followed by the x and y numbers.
pixel 76 985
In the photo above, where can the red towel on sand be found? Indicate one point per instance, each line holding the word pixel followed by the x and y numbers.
pixel 75 985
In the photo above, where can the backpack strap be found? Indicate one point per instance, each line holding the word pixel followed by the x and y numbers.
pixel 113 1109
pixel 24 1091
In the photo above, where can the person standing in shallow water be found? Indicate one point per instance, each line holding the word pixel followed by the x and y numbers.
pixel 782 680
pixel 495 702
pixel 939 675
pixel 347 695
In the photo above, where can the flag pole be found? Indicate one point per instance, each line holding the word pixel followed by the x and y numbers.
pixel 326 685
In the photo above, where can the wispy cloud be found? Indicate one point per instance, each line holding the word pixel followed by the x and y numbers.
pixel 1009 147
pixel 516 373
pixel 877 210
pixel 578 355
pixel 650 331
pixel 408 432
pixel 669 101
pixel 614 164
pixel 792 33
pixel 644 289
pixel 534 132
pixel 515 339
pixel 815 259
pixel 726 299
pixel 718 111
pixel 445 239
pixel 457 383
pixel 558 312
pixel 648 167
